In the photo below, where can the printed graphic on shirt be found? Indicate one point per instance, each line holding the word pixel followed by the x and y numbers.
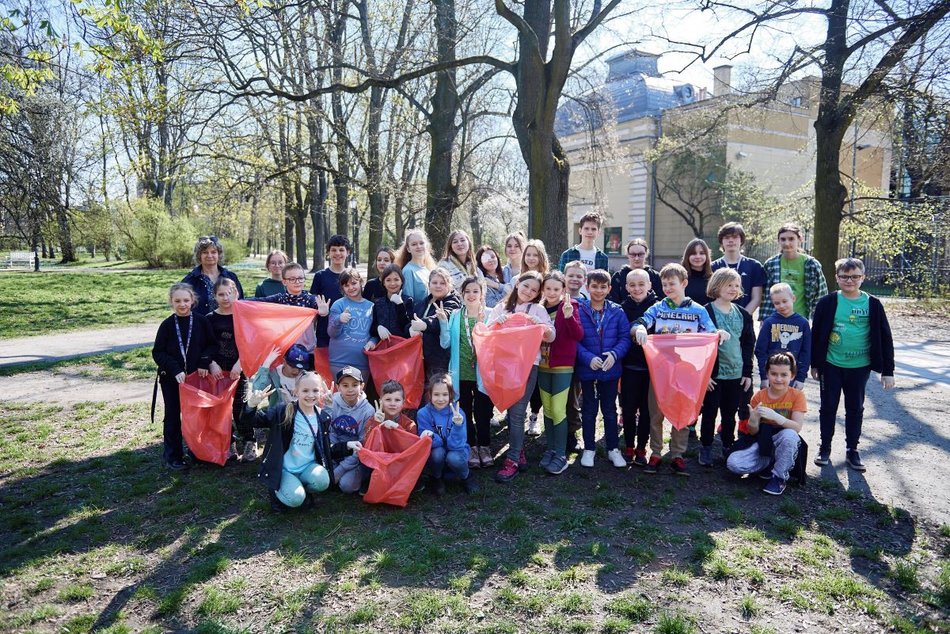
pixel 858 318
pixel 587 257
pixel 301 443
pixel 345 425
pixel 784 334
pixel 671 322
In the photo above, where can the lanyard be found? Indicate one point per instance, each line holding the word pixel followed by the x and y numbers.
pixel 599 319
pixel 183 347
pixel 313 432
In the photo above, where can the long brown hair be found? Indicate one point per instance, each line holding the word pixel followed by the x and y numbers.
pixel 688 251
pixel 469 265
pixel 512 299
pixel 542 256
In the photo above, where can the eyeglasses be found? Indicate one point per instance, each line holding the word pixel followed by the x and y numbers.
pixel 850 278
pixel 298 280
pixel 637 255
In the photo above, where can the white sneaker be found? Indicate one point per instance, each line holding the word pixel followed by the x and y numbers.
pixel 250 451
pixel 616 458
pixel 533 429
pixel 587 458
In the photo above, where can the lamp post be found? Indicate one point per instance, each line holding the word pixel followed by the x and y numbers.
pixel 356 232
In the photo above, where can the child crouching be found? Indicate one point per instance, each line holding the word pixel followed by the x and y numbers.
pixel 443 421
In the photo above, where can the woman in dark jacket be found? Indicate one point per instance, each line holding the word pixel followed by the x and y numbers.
pixel 208 255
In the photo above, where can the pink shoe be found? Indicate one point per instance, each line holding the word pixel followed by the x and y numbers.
pixel 522 462
pixel 507 472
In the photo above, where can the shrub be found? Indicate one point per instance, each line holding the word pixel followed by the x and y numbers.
pixel 152 235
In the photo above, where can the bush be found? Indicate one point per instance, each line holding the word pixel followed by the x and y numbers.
pixel 153 236
pixel 234 250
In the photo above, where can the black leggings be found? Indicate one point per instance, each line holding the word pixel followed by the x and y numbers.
pixel 478 409
pixel 634 404
pixel 536 400
pixel 725 399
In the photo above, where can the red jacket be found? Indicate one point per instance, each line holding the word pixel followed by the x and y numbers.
pixel 563 349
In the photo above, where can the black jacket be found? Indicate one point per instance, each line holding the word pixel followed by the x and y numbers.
pixel 635 359
pixel 882 342
pixel 746 341
pixel 278 439
pixel 204 289
pixel 618 284
pixel 396 317
pixel 436 358
pixel 167 353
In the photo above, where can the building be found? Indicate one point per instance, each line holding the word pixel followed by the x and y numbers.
pixel 773 140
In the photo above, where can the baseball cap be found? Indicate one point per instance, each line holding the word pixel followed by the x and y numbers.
pixel 349 371
pixel 298 357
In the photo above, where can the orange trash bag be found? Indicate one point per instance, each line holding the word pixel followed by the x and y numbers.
pixel 396 458
pixel 261 326
pixel 206 416
pixel 680 368
pixel 399 359
pixel 506 353
pixel 321 365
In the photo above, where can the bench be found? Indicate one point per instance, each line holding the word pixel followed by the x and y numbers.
pixel 21 258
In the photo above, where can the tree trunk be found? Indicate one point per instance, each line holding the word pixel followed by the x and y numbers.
pixel 374 180
pixel 830 196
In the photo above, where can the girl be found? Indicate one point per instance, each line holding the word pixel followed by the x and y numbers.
pixel 297 457
pixel 523 298
pixel 697 260
pixel 514 250
pixel 415 260
pixel 463 366
pixel 444 422
pixel 184 343
pixel 535 258
pixel 732 373
pixel 276 261
pixel 459 257
pixel 392 312
pixel 208 254
pixel 488 264
pixel 349 326
pixel 225 360
pixel 557 368
pixel 432 321
pixel 374 287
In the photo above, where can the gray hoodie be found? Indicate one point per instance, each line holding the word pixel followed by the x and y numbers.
pixel 348 422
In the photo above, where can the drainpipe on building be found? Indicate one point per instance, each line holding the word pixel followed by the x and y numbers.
pixel 659 133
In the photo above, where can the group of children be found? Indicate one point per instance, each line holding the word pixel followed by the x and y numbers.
pixel 591 353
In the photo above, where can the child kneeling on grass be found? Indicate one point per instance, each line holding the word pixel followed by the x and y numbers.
pixel 770 446
pixel 443 420
pixel 349 411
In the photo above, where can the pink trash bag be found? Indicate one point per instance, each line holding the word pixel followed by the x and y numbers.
pixel 680 368
pixel 506 353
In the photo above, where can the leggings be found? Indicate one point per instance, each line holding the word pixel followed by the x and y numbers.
pixel 478 409
pixel 171 425
pixel 293 487
pixel 725 400
pixel 241 431
pixel 635 405
pixel 536 400
pixel 555 386
pixel 516 415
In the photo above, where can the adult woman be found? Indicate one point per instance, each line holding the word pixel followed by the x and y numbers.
pixel 459 257
pixel 490 267
pixel 697 260
pixel 209 253
pixel 637 253
pixel 415 260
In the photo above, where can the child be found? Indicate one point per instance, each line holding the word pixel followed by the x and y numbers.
pixel 349 411
pixel 637 252
pixel 605 343
pixel 349 325
pixel 459 257
pixel 535 258
pixel 674 314
pixel 393 310
pixel 514 252
pixel 463 366
pixel 523 298
pixel 415 260
pixel 850 337
pixel 389 410
pixel 784 331
pixel 731 239
pixel 575 276
pixel 282 378
pixel 732 373
pixel 586 252
pixel 697 259
pixel 326 284
pixel 225 359
pixel 442 420
pixel 375 288
pixel 275 263
pixel 297 458
pixel 557 368
pixel 774 424
pixel 495 286
pixel 184 343
pixel 432 321
pixel 635 379
pixel 294 278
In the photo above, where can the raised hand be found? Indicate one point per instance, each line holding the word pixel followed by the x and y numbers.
pixel 440 313
pixel 567 308
pixel 378 415
pixel 271 356
pixel 345 316
pixel 418 325
pixel 255 397
pixel 323 306
pixel 457 417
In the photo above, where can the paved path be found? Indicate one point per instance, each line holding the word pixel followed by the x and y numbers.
pixel 79 343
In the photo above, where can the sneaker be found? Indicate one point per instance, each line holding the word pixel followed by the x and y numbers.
pixel 765 474
pixel 470 485
pixel 176 465
pixel 522 462
pixel 616 458
pixel 250 452
pixel 438 486
pixel 679 467
pixel 640 457
pixel 653 465
pixel 854 460
pixel 232 452
pixel 546 458
pixel 494 423
pixel 776 486
pixel 587 458
pixel 558 465
pixel 507 472
pixel 705 456
pixel 628 454
pixel 474 461
pixel 824 456
pixel 276 506
pixel 484 455
pixel 533 428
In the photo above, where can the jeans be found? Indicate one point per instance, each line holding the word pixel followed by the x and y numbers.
pixel 516 415
pixel 750 460
pixel 604 393
pixel 440 458
pixel 834 381
pixel 635 405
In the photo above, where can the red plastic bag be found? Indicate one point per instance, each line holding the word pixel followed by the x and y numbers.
pixel 206 416
pixel 396 458
pixel 260 326
pixel 401 360
pixel 321 364
pixel 506 353
pixel 680 368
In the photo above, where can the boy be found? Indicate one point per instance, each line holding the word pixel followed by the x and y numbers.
pixel 797 269
pixel 599 355
pixel 637 252
pixel 294 278
pixel 575 274
pixel 349 410
pixel 587 251
pixel 634 398
pixel 774 424
pixel 731 240
pixel 784 331
pixel 326 284
pixel 389 410
pixel 850 337
pixel 674 314
pixel 283 377
pixel 576 277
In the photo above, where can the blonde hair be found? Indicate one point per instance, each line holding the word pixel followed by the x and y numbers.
pixel 403 257
pixel 290 408
pixel 781 287
pixel 441 271
pixel 542 256
pixel 183 286
pixel 719 280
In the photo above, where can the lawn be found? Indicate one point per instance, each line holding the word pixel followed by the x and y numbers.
pixel 97 537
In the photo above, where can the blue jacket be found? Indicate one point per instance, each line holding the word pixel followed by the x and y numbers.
pixel 452 343
pixel 613 335
pixel 204 288
pixel 600 258
pixel 445 433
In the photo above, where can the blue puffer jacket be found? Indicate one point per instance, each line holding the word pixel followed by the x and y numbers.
pixel 612 336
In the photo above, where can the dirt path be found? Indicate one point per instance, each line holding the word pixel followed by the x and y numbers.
pixel 69 345
pixel 69 387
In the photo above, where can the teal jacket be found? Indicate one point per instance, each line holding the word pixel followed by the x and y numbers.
pixel 452 343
